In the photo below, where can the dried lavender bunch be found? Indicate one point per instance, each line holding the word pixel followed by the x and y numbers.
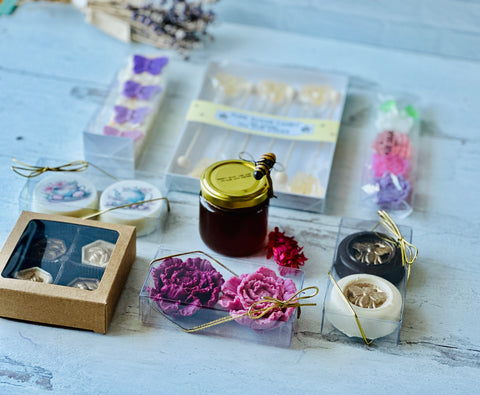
pixel 177 24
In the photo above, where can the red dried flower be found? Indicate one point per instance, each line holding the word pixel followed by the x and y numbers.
pixel 284 249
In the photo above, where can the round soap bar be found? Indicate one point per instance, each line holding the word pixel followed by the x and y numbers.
pixel 376 301
pixel 371 253
pixel 144 216
pixel 66 194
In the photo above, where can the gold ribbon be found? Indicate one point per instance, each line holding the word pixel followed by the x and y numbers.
pixel 30 171
pixel 362 332
pixel 253 313
pixel 275 303
pixel 408 250
pixel 97 213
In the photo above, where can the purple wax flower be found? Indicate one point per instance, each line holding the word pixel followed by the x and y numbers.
pixel 134 116
pixel 134 90
pixel 153 66
pixel 392 190
pixel 183 288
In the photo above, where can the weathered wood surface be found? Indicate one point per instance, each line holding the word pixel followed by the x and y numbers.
pixel 55 71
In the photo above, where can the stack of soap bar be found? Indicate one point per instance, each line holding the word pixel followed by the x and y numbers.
pixel 144 215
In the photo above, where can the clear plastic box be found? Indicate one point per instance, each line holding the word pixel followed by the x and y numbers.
pixel 84 193
pixel 116 136
pixel 275 333
pixel 246 110
pixel 390 171
pixel 383 320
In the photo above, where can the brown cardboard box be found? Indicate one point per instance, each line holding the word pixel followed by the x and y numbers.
pixel 59 303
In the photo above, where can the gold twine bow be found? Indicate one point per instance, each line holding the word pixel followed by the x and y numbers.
pixel 254 314
pixel 408 250
pixel 30 171
pixel 275 303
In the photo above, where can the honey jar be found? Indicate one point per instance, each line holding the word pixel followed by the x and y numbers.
pixel 234 203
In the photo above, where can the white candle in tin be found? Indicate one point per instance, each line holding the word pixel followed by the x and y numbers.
pixel 144 216
pixel 68 194
pixel 376 301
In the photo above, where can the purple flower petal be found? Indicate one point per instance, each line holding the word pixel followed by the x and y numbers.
pixel 182 288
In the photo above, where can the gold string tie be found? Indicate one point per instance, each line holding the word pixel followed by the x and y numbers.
pixel 274 303
pixel 408 250
pixel 352 310
pixel 253 313
pixel 98 213
pixel 30 171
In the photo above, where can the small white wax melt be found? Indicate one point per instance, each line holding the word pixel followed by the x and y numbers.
pixel 377 302
pixel 97 253
pixel 143 216
pixel 66 194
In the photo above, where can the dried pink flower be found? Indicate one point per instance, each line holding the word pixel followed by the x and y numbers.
pixel 284 249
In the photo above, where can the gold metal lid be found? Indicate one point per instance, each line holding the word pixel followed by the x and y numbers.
pixel 230 184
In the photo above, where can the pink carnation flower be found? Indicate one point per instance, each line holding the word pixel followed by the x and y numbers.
pixel 239 293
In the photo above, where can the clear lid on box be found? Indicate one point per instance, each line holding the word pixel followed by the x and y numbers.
pixel 121 128
pixel 62 253
pixel 248 109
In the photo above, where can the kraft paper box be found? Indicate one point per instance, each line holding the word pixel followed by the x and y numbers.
pixel 65 271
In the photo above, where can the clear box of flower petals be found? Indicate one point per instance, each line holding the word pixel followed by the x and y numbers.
pixel 217 296
pixel 246 110
pixel 369 279
pixel 121 129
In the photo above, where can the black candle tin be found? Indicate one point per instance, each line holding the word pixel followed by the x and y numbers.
pixel 372 253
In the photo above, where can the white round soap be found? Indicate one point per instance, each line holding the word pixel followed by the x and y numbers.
pixel 377 302
pixel 144 216
pixel 66 194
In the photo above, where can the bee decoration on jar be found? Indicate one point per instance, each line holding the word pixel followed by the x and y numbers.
pixel 263 167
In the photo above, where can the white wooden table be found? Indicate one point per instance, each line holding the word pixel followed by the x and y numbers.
pixel 55 71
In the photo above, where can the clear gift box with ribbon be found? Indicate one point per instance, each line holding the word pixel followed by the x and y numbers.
pixel 209 295
pixel 83 190
pixel 117 135
pixel 365 295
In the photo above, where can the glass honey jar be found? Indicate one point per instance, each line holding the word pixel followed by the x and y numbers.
pixel 233 216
